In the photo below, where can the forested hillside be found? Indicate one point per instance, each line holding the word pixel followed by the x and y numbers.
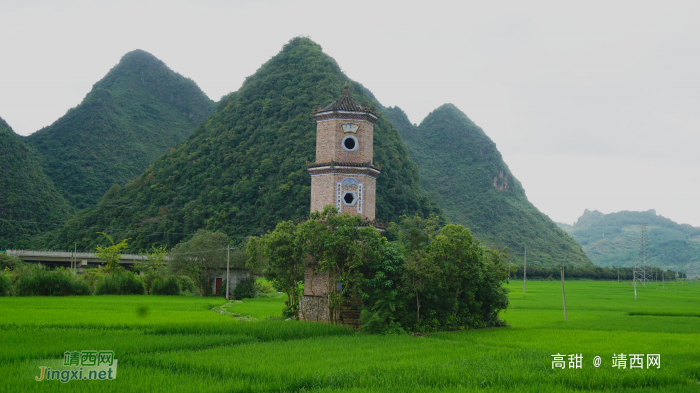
pixel 29 202
pixel 613 240
pixel 134 114
pixel 244 169
pixel 461 169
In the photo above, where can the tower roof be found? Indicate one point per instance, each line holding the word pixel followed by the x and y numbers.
pixel 345 103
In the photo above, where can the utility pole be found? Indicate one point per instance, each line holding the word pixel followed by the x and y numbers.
pixel 563 295
pixel 228 262
pixel 525 273
pixel 72 262
pixel 635 283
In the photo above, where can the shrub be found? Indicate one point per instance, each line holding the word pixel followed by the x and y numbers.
pixel 33 280
pixel 379 322
pixel 9 262
pixel 148 279
pixel 4 285
pixel 93 276
pixel 187 284
pixel 265 286
pixel 120 283
pixel 165 286
pixel 247 288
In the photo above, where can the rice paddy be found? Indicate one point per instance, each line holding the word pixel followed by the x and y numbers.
pixel 178 344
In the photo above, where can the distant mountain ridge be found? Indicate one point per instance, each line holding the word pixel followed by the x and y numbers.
pixel 245 168
pixel 29 202
pixel 462 170
pixel 613 239
pixel 138 111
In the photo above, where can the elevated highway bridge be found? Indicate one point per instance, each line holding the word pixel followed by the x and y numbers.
pixel 64 258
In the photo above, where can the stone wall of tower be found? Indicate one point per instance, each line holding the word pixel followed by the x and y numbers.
pixel 315 284
pixel 324 192
pixel 330 135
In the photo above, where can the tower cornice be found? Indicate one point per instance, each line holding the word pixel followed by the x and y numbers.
pixel 347 168
pixel 345 115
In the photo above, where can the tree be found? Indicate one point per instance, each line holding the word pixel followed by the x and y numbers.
pixel 383 298
pixel 339 245
pixel 200 257
pixel 284 262
pixel 469 287
pixel 415 233
pixel 419 273
pixel 111 255
pixel 154 265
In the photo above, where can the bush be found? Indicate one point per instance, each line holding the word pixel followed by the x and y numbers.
pixel 247 288
pixel 9 262
pixel 33 280
pixel 148 279
pixel 265 286
pixel 4 285
pixel 165 286
pixel 187 284
pixel 120 283
pixel 93 276
pixel 379 323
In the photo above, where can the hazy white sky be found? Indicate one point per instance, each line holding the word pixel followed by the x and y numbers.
pixel 593 104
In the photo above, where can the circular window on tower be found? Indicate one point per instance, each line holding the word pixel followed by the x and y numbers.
pixel 350 143
pixel 349 198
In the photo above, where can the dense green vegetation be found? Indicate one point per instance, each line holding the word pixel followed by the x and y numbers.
pixel 138 111
pixel 430 279
pixel 244 170
pixel 178 344
pixel 29 201
pixel 613 240
pixel 461 169
pixel 591 273
pixel 32 280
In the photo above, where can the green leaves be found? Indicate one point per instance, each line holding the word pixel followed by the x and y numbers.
pixel 283 255
pixel 111 254
pixel 200 257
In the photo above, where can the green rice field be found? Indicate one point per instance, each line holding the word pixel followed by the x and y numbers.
pixel 193 344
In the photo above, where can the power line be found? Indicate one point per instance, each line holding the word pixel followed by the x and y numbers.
pixel 127 229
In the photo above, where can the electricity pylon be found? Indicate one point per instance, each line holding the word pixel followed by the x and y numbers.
pixel 641 273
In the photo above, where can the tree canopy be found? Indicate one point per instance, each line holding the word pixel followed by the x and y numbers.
pixel 445 281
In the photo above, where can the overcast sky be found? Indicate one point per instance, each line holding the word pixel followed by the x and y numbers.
pixel 593 104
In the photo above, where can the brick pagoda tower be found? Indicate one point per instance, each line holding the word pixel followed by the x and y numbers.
pixel 343 176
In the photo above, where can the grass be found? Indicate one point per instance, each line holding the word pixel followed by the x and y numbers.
pixel 181 345
pixel 259 308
